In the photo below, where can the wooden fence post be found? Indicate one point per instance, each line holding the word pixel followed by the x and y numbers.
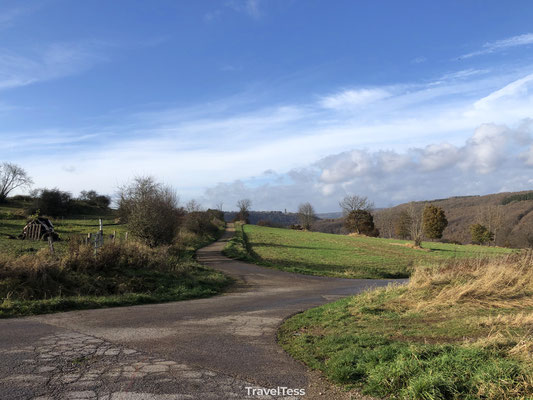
pixel 51 243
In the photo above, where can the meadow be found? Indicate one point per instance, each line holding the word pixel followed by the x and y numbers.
pixel 460 331
pixel 121 272
pixel 12 221
pixel 343 256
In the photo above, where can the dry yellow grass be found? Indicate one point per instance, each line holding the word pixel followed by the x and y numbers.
pixel 500 282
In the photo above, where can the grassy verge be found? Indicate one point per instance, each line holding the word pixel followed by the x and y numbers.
pixel 122 273
pixel 463 330
pixel 238 246
pixel 342 256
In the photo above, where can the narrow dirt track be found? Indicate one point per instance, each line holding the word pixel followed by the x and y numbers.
pixel 199 349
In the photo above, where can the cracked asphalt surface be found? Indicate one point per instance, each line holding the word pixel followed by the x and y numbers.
pixel 211 348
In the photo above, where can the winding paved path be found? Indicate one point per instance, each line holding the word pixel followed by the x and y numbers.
pixel 199 349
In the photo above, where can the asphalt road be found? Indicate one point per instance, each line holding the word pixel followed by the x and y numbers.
pixel 216 348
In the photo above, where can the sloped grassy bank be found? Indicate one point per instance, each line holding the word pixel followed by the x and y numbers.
pixel 462 330
pixel 119 274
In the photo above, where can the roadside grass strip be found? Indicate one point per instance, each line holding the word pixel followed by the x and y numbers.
pixel 462 331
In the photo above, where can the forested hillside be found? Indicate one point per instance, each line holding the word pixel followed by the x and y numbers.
pixel 509 216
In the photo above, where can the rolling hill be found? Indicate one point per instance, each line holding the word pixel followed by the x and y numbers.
pixel 513 209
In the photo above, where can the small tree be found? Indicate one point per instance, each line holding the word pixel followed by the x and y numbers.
pixel 244 209
pixel 481 234
pixel 150 210
pixel 306 215
pixel 361 222
pixel 402 225
pixel 434 221
pixel 12 177
pixel 492 217
pixel 415 227
pixel 353 202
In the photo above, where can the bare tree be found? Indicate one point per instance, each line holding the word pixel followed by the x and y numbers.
pixel 219 206
pixel 244 209
pixel 193 206
pixel 306 215
pixel 150 210
pixel 355 203
pixel 416 227
pixel 491 216
pixel 12 177
pixel 384 220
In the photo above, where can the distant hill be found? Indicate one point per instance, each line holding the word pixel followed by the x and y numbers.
pixel 330 215
pixel 515 208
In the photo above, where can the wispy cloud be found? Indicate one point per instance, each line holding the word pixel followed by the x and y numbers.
pixel 8 17
pixel 212 15
pixel 419 60
pixel 250 7
pixel 499 45
pixel 54 61
pixel 194 148
pixel 354 98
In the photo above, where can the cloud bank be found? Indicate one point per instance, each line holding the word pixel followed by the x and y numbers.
pixel 495 158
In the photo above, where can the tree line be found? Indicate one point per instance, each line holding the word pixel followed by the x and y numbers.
pixel 146 200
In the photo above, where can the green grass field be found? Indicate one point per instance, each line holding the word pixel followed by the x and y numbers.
pixel 460 332
pixel 12 221
pixel 32 281
pixel 342 256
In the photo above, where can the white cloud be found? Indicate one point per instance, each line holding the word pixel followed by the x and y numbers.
pixel 528 157
pixel 354 98
pixel 489 161
pixel 499 45
pixel 487 149
pixel 517 90
pixel 437 156
pixel 418 131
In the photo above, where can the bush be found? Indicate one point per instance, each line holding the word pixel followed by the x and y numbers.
pixel 480 234
pixel 92 198
pixel 51 202
pixel 203 223
pixel 150 210
pixel 362 222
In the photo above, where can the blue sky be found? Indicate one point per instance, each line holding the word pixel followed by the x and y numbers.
pixel 279 101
